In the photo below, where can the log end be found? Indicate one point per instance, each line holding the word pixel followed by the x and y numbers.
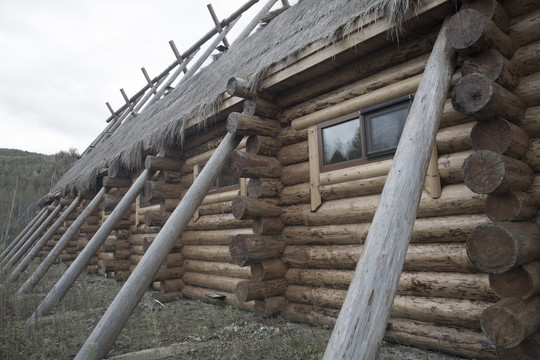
pixel 500 324
pixel 236 164
pixel 238 87
pixel 514 283
pixel 242 291
pixel 465 29
pixel 510 206
pixel 239 208
pixel 472 93
pixel 232 122
pixel 238 250
pixel 491 248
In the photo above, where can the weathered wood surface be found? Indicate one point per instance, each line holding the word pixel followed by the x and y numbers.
pixel 269 269
pixel 217 268
pixel 244 124
pixel 521 282
pixel 256 290
pixel 500 136
pixel 264 187
pixel 247 207
pixel 249 249
pixel 155 163
pixel 256 166
pixel 262 145
pixel 494 66
pixel 270 306
pixel 267 226
pixel 510 206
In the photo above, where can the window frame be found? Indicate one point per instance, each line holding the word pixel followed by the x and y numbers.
pixel 378 155
pixel 216 188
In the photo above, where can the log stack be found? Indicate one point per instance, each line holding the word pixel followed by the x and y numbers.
pixel 263 249
pixel 489 92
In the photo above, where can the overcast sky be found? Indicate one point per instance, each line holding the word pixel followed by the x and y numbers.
pixel 61 60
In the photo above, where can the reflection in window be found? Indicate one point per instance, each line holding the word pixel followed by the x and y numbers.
pixel 226 178
pixel 342 142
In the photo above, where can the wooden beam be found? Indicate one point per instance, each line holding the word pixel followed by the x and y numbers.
pixel 22 234
pixel 362 320
pixel 217 24
pixel 255 21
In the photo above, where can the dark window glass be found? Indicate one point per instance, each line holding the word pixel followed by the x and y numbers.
pixel 226 178
pixel 342 142
pixel 383 130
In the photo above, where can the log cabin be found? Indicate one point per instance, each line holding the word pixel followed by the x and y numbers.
pixel 307 114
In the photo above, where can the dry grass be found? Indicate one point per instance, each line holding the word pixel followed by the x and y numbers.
pixel 185 329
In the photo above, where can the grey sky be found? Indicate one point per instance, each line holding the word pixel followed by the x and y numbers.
pixel 61 60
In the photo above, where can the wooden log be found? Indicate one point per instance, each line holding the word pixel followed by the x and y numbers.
pixel 115 182
pixel 494 66
pixel 137 250
pixel 219 208
pixel 524 30
pixel 522 282
pixel 528 349
pixel 532 156
pixel 529 90
pixel 155 163
pixel 267 226
pixel 270 306
pixel 525 58
pixel 264 187
pixel 244 124
pixel 432 183
pixel 429 257
pixel 174 259
pixel 294 153
pixel 167 273
pixel 477 96
pixel 269 269
pixel 247 207
pixel 496 248
pixel 122 254
pixel 207 253
pixel 110 201
pixel 295 174
pixel 450 167
pixel 224 283
pixel 310 315
pixel 172 285
pixel 220 197
pixel 187 180
pixel 490 9
pixel 217 268
pixel 510 206
pixel 238 87
pixel 511 321
pixel 157 191
pixel 105 255
pixel 486 172
pixel 456 341
pixel 211 237
pixel 115 265
pixel 219 221
pixel 156 218
pixel 371 170
pixel 249 165
pixel 455 138
pixel 288 136
pixel 249 249
pixel 500 136
pixel 169 177
pixel 247 290
pixel 147 241
pixel 168 205
pixel 470 32
pixel 320 297
pixel 262 145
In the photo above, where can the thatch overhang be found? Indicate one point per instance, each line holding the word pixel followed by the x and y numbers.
pixel 306 40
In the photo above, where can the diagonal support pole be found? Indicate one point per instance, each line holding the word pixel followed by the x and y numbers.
pixel 22 234
pixel 362 320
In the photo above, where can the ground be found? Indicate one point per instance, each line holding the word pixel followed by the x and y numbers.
pixel 184 329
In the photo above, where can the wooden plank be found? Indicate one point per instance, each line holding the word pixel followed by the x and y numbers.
pixel 314 180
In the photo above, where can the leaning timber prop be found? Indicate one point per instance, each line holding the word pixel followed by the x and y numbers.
pixel 362 320
pixel 66 281
pixel 50 232
pixel 34 279
pixel 114 319
pixel 24 248
pixel 22 234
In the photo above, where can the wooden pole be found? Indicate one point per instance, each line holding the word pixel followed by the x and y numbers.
pixel 22 234
pixel 34 279
pixel 50 232
pixel 106 331
pixel 362 320
pixel 254 22
pixel 218 25
pixel 66 281
pixel 25 237
pixel 23 249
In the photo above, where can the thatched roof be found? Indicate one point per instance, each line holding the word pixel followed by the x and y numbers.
pixel 162 124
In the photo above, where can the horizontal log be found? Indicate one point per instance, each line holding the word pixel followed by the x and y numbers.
pixel 168 273
pixel 263 187
pixel 255 290
pixel 172 285
pixel 311 315
pixel 156 218
pixel 220 197
pixel 174 259
pixel 429 257
pixel 496 248
pixel 217 268
pixel 247 207
pixel 194 292
pixel 114 182
pixel 526 58
pixel 510 206
pixel 511 321
pixel 532 156
pixel 467 343
pixel 244 124
pixel 122 254
pixel 89 229
pixel 267 226
pixel 522 282
pixel 110 201
pixel 295 174
pixel 294 153
pixel 270 306
pixel 494 66
pixel 500 136
pixel 138 239
pixel 524 30
pixel 529 90
pixel 371 170
pixel 491 9
pixel 455 199
pixel 207 253
pixel 288 136
pixel 224 283
pixel 455 138
pixel 211 237
pixel 477 96
pixel 168 205
pixel 157 191
pixel 262 145
pixel 528 349
pixel 248 165
pixel 470 32
pixel 215 222
pixel 169 177
pixel 219 208
pixel 158 163
pixel 269 269
pixel 249 249
pixel 486 172
pixel 114 265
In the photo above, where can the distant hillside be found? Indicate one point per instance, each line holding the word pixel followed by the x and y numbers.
pixel 25 177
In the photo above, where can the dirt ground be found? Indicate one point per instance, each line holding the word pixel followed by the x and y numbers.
pixel 183 329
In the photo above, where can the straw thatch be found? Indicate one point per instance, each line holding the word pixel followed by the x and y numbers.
pixel 162 125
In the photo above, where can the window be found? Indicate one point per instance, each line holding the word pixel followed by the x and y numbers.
pixel 225 180
pixel 360 137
